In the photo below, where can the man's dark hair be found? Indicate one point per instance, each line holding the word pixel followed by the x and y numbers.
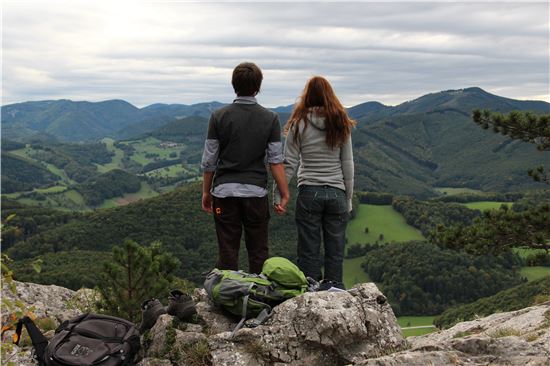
pixel 247 79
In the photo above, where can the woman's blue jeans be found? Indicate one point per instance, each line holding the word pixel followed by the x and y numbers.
pixel 321 215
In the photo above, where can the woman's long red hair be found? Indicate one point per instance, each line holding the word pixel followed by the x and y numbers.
pixel 319 95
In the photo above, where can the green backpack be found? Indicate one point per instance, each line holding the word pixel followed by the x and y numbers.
pixel 251 295
pixel 285 276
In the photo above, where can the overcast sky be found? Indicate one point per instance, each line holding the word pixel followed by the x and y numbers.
pixel 181 52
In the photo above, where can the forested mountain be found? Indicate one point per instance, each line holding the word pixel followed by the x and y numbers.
pixel 181 110
pixel 405 149
pixel 66 119
pixel 432 141
pixel 186 130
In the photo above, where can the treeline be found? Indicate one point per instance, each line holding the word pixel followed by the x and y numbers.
pixel 420 278
pixel 427 215
pixel 532 199
pixel 8 145
pixel 515 298
pixel 71 269
pixel 20 222
pixel 375 198
pixel 182 130
pixel 21 175
pixel 476 197
pixel 113 183
pixel 77 160
pixel 497 231
pixel 159 164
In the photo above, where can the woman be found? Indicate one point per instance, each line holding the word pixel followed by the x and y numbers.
pixel 319 142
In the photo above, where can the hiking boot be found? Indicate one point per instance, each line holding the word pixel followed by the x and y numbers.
pixel 150 311
pixel 326 285
pixel 312 285
pixel 181 305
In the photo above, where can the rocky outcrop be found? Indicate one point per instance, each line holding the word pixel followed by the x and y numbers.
pixel 514 338
pixel 50 301
pixel 356 327
pixel 51 305
pixel 323 328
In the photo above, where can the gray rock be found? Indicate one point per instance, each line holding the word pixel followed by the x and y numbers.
pixel 514 338
pixel 154 362
pixel 19 357
pixel 45 301
pixel 167 340
pixel 522 321
pixel 215 320
pixel 322 328
pixel 50 300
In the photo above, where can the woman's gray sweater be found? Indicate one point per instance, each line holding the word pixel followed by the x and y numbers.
pixel 318 164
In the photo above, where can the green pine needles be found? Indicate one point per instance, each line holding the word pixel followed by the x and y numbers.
pixel 524 126
pixel 135 273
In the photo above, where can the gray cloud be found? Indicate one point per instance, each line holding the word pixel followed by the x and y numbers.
pixel 180 52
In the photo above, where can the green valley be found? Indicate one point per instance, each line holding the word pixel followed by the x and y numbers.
pixel 435 180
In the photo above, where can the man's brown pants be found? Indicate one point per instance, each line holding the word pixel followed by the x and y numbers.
pixel 231 214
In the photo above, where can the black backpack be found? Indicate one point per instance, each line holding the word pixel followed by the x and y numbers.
pixel 88 339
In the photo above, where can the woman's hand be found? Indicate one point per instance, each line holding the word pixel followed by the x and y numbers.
pixel 280 208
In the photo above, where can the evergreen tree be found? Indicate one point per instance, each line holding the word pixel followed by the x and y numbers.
pixel 135 273
pixel 524 126
pixel 498 231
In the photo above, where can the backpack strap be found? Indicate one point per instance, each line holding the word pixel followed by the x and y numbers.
pixel 245 303
pixel 260 319
pixel 39 342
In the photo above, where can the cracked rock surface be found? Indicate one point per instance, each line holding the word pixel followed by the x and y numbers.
pixel 321 328
pixel 356 327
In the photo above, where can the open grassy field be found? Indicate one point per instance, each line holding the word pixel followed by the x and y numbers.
pixel 69 199
pixel 169 171
pixel 353 273
pixel 151 145
pixel 116 161
pixel 426 322
pixel 145 192
pixel 525 252
pixel 24 153
pixel 453 191
pixel 27 154
pixel 486 205
pixel 415 321
pixel 534 273
pixel 380 220
pixel 53 189
pixel 413 332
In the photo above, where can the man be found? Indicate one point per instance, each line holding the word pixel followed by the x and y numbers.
pixel 240 136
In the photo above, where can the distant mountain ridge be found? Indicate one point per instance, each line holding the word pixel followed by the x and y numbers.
pixel 84 121
pixel 432 141
pixel 410 148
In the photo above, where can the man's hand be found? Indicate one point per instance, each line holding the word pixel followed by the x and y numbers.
pixel 207 178
pixel 207 202
pixel 278 173
pixel 280 208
